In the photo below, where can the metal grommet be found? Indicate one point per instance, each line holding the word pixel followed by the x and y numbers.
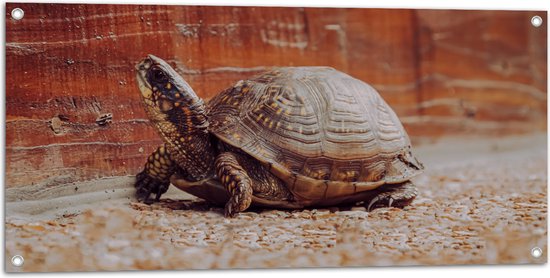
pixel 17 13
pixel 536 252
pixel 17 260
pixel 536 21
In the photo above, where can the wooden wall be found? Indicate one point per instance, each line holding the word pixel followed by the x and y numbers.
pixel 443 72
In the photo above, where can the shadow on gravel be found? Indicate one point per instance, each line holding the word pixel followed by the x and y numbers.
pixel 201 205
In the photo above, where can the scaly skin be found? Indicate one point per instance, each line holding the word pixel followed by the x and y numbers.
pixel 155 177
pixel 236 181
pixel 180 118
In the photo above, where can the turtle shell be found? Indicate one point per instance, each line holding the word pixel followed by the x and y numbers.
pixel 323 132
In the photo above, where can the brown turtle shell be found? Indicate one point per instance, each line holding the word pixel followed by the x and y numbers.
pixel 323 132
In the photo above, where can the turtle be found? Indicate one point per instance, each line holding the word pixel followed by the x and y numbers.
pixel 287 138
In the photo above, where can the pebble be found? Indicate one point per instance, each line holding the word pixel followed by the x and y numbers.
pixel 442 226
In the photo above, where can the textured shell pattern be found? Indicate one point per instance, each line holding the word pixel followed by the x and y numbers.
pixel 323 132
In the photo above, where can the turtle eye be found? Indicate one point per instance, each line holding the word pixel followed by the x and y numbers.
pixel 158 75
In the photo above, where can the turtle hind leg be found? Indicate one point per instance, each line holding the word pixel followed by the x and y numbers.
pixel 237 182
pixel 398 195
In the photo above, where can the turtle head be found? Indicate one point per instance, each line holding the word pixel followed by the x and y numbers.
pixel 179 116
pixel 167 97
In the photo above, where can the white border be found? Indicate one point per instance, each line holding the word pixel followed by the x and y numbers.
pixel 425 272
pixel 397 4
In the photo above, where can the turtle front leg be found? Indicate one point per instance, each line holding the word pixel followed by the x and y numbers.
pixel 398 195
pixel 155 177
pixel 235 179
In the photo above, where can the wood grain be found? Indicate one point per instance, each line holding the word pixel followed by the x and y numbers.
pixel 443 72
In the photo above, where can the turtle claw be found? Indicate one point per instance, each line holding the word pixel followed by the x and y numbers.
pixel 374 201
pixel 378 201
pixel 236 205
pixel 145 185
pixel 397 196
pixel 229 212
pixel 148 201
pixel 240 201
pixel 157 197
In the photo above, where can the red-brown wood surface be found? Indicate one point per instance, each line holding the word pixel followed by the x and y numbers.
pixel 443 72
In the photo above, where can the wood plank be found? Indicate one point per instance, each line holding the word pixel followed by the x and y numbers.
pixel 443 72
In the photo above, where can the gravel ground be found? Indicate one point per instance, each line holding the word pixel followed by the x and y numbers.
pixel 483 206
